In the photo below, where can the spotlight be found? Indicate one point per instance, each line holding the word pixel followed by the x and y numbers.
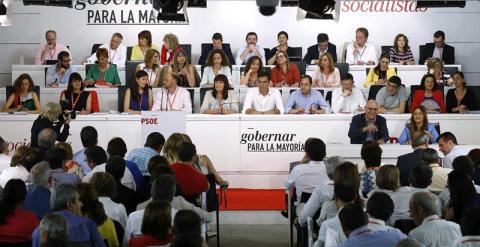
pixel 54 3
pixel 3 8
pixel 197 3
pixel 171 10
pixel 267 7
pixel 317 9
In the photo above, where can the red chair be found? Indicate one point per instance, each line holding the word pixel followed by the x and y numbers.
pixel 95 106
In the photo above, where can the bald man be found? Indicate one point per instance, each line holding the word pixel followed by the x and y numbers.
pixel 368 126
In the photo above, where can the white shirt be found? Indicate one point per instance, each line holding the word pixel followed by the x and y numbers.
pixel 255 100
pixel 114 211
pixel 152 74
pixel 469 241
pixel 208 75
pixel 16 172
pixel 439 178
pixel 367 53
pixel 454 153
pixel 306 177
pixel 179 203
pixel 329 210
pixel 436 232
pixel 127 178
pixel 320 194
pixel 350 103
pixel 328 235
pixel 117 56
pixel 179 100
pixel 4 162
pixel 437 52
pixel 377 224
pixel 239 61
pixel 401 201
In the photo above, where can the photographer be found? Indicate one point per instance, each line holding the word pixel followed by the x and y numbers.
pixel 51 117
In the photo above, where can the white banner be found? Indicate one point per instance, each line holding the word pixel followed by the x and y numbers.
pixel 165 122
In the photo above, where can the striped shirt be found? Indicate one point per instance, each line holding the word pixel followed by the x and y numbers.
pixel 141 156
pixel 396 56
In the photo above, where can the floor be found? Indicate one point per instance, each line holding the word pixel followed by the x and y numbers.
pixel 252 236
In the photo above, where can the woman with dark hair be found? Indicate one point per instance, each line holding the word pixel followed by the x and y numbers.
pixel 221 100
pixel 474 154
pixel 460 99
pixel 186 72
pixel 93 209
pixel 151 66
pixel 417 125
pixel 380 74
pixel 217 63
pixel 250 74
pixel 156 225
pixel 169 48
pixel 282 38
pixel 139 96
pixel 144 44
pixel 16 224
pixel 400 52
pixel 79 100
pixel 428 96
pixel 462 195
pixel 284 73
pixel 23 98
pixel 102 74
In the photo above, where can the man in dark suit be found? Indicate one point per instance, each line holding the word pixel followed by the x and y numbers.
pixel 217 43
pixel 368 126
pixel 438 49
pixel 407 161
pixel 315 51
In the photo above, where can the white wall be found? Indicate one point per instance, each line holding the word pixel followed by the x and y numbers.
pixel 234 19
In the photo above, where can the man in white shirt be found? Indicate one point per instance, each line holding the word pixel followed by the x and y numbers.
pixel 51 49
pixel 469 225
pixel 172 97
pixel 447 143
pixel 432 230
pixel 440 174
pixel 263 100
pixel 347 98
pixel 360 52
pixel 4 158
pixel 117 53
pixel 250 49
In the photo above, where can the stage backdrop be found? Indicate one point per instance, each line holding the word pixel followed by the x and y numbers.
pixel 86 24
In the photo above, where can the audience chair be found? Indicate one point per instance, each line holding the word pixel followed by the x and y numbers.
pixel 373 90
pixel 187 48
pixel 476 93
pixel 297 54
pixel 267 53
pixel 386 48
pixel 121 96
pixel 328 98
pixel 129 52
pixel 342 68
pixel 310 231
pixel 421 50
pixel 450 70
pixel 130 67
pixel 213 200
pixel 302 66
pixel 405 225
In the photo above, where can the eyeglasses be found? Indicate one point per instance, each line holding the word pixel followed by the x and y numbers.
pixel 66 61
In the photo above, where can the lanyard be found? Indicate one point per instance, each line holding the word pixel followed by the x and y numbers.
pixel 74 102
pixel 52 54
pixel 170 103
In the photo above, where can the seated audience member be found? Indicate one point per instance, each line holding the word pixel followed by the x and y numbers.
pixel 440 174
pixel 89 138
pixel 65 201
pixel 436 68
pixel 348 98
pixel 144 44
pixel 220 100
pixel 400 52
pixel 46 141
pixel 138 97
pixel 417 125
pixel 117 52
pixel 5 160
pixel 355 225
pixel 156 225
pixel 50 49
pixel 469 226
pixel 217 64
pixel 94 210
pixel 151 66
pixel 169 48
pixel 284 74
pixel 326 74
pixel 172 97
pixel 428 96
pixel 250 49
pixel 16 224
pixel 361 52
pixel 461 98
pixel 379 209
pixel 380 74
pixel 407 161
pixel 106 187
pixel 393 97
pixel 371 154
pixel 306 100
pixel 140 156
pixel 431 229
pixel 187 222
pixel 37 199
pixel 249 77
pixel 387 180
pixel 102 74
pixel 17 168
pixel 163 189
pixel 191 181
pixel 438 49
pixel 57 157
pixel 57 75
pixel 180 66
pixel 474 155
pixel 322 193
pixel 23 98
pixel 53 231
pixel 462 195
pixel 368 126
pixel 78 99
pixel 217 43
pixel 282 38
pixel 448 145
pixel 124 195
pixel 263 100
pixel 314 52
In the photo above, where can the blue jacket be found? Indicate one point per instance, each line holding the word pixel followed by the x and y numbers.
pixel 358 122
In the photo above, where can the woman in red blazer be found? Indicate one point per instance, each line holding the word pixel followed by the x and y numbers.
pixel 429 96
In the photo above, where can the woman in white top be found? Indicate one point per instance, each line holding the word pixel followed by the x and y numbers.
pixel 217 63
pixel 326 75
pixel 220 100
pixel 151 66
